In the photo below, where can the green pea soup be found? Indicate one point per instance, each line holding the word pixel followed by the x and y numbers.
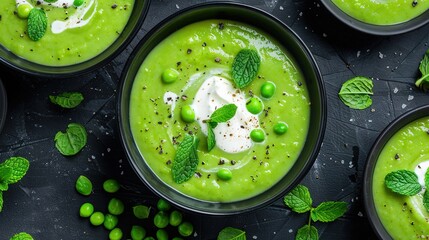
pixel 199 51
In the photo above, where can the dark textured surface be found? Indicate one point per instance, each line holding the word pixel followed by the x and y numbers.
pixel 46 205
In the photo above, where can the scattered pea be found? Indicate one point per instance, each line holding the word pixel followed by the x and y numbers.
pixel 83 185
pixel 187 114
pixel 254 105
pixel 161 219
pixel 175 218
pixel 24 10
pixel 110 221
pixel 115 234
pixel 224 174
pixel 141 211
pixel 163 205
pixel 149 238
pixel 170 75
pixel 137 232
pixel 115 206
pixel 186 229
pixel 86 210
pixel 257 135
pixel 161 234
pixel 268 89
pixel 97 218
pixel 280 128
pixel 111 185
pixel 78 3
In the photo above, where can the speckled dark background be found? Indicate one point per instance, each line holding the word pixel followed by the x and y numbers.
pixel 46 205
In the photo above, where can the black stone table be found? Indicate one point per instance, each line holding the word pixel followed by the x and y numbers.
pixel 46 204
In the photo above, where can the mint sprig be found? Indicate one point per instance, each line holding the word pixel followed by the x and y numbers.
pixel 356 93
pixel 186 159
pixel 67 99
pixel 220 115
pixel 5 174
pixel 11 171
pixel 403 182
pixel 299 200
pixel 245 67
pixel 423 81
pixel 427 179
pixel 22 236
pixel 37 24
pixel 230 233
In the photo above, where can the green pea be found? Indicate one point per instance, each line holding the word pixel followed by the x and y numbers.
pixel 78 3
pixel 137 232
pixel 161 219
pixel 110 221
pixel 141 211
pixel 170 75
pixel 115 234
pixel 280 128
pixel 187 114
pixel 161 234
pixel 186 229
pixel 268 89
pixel 257 135
pixel 83 185
pixel 115 206
pixel 163 205
pixel 177 238
pixel 254 105
pixel 149 238
pixel 224 174
pixel 111 185
pixel 96 218
pixel 175 218
pixel 86 210
pixel 24 10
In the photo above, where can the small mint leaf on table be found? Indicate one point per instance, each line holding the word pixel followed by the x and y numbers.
pixel 211 140
pixel 37 24
pixel 67 99
pixel 224 113
pixel 72 141
pixel 22 236
pixel 307 232
pixel 299 199
pixel 328 211
pixel 403 182
pixel 230 233
pixel 19 166
pixel 186 160
pixel 245 67
pixel 356 93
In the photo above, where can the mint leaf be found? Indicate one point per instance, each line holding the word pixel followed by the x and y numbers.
pixel 5 174
pixel 403 182
pixel 37 24
pixel 67 99
pixel 186 160
pixel 211 140
pixel 328 211
pixel 1 201
pixel 230 233
pixel 245 67
pixel 355 92
pixel 19 166
pixel 72 141
pixel 224 113
pixel 423 81
pixel 299 199
pixel 307 232
pixel 22 236
pixel 427 179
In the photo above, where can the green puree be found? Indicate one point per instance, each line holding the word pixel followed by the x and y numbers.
pixel 403 217
pixel 382 12
pixel 71 46
pixel 199 51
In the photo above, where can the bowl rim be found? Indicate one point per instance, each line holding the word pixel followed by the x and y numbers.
pixel 310 61
pixel 382 139
pixel 380 30
pixel 72 70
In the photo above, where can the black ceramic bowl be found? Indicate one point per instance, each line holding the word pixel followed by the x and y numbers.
pixel 133 26
pixel 382 30
pixel 376 149
pixel 279 31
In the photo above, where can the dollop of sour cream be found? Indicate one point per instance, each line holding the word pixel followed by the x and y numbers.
pixel 234 135
pixel 78 19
